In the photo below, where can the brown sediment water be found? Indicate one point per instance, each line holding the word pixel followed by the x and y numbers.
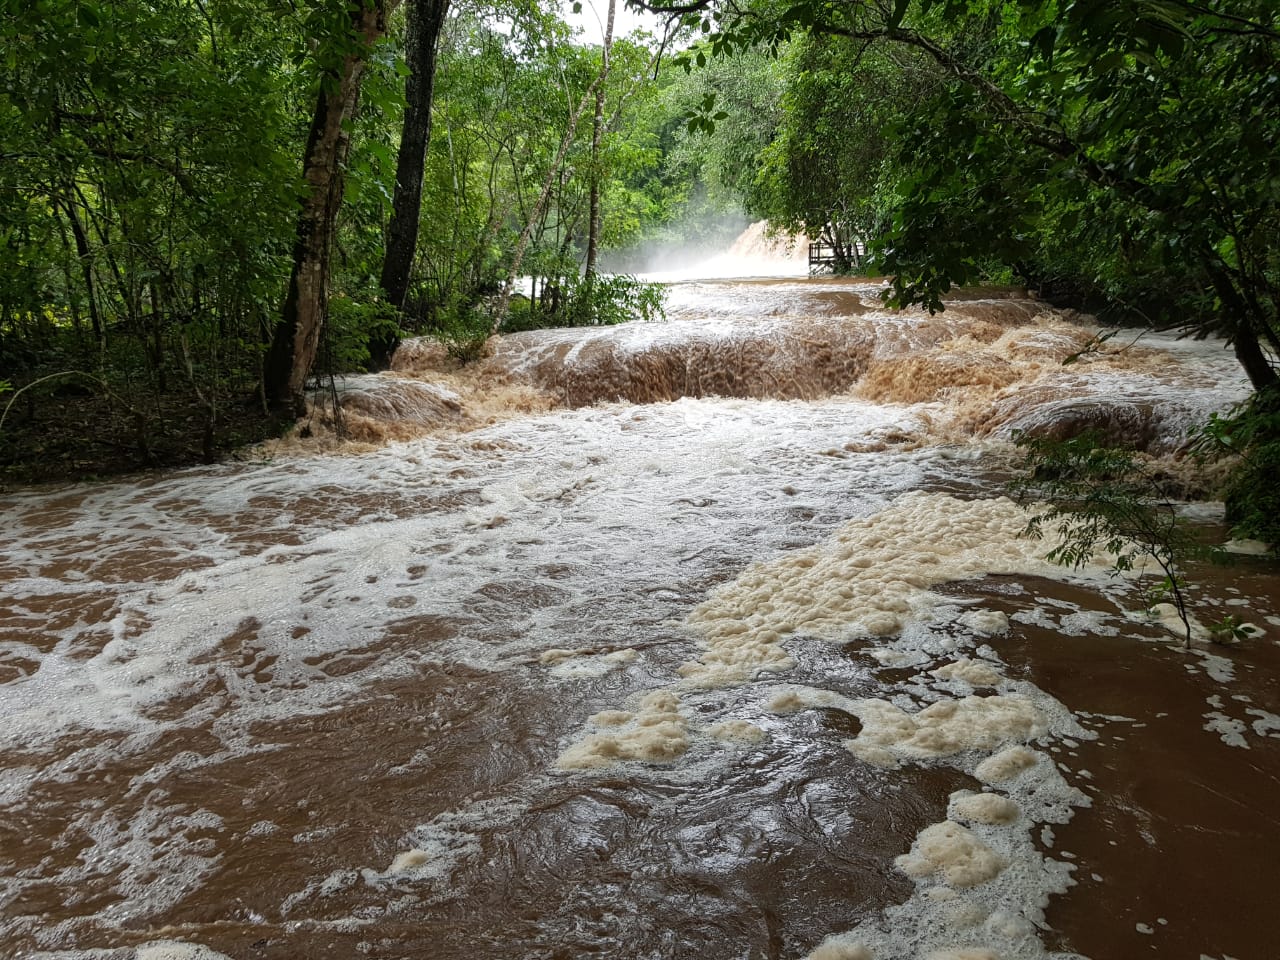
pixel 1176 856
pixel 383 704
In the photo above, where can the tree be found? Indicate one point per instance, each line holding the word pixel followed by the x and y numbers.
pixel 424 23
pixel 347 38
pixel 144 181
pixel 597 135
pixel 827 172
pixel 1134 142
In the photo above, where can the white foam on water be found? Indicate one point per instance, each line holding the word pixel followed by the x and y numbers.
pixel 325 554
pixel 975 673
pixel 989 808
pixel 217 597
pixel 981 889
pixel 656 732
pixel 855 585
pixel 737 731
pixel 585 664
pixel 956 854
pixel 871 579
pixel 176 950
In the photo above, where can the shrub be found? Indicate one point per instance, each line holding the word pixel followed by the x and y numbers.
pixel 1104 500
pixel 1251 433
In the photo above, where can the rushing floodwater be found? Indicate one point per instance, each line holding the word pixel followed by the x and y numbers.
pixel 737 655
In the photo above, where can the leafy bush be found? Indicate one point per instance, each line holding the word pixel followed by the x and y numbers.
pixel 352 323
pixel 465 332
pixel 602 300
pixel 1104 500
pixel 1251 432
pixel 615 298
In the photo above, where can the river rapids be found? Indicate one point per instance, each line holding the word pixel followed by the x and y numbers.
pixel 713 638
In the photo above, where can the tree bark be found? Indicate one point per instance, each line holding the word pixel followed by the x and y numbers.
pixel 425 21
pixel 83 254
pixel 297 337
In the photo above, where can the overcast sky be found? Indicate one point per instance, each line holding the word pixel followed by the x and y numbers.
pixel 593 14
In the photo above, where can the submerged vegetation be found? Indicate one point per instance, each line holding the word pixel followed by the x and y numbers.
pixel 203 206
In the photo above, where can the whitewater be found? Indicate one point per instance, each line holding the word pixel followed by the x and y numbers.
pixel 715 637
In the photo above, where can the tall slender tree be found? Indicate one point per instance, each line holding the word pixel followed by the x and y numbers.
pixel 597 135
pixel 425 22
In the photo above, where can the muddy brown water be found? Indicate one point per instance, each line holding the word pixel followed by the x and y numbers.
pixel 1177 855
pixel 234 697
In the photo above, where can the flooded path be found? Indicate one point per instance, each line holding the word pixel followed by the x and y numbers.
pixel 732 653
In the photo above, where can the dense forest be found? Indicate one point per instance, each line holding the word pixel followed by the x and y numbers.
pixel 207 204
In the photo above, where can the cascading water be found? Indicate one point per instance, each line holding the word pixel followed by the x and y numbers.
pixel 711 638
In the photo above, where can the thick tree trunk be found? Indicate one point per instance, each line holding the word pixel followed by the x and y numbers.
pixel 1256 365
pixel 297 336
pixel 425 21
pixel 1244 337
pixel 597 135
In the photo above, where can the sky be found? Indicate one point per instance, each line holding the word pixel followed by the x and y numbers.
pixel 593 14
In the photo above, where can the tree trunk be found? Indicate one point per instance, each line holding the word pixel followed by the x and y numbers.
pixel 522 242
pixel 1244 337
pixel 425 21
pixel 597 134
pixel 86 266
pixel 1251 356
pixel 297 336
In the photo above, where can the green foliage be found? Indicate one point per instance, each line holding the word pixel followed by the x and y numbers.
pixel 1231 629
pixel 146 210
pixel 1116 154
pixel 351 324
pixel 465 333
pixel 827 172
pixel 1101 501
pixel 1251 433
pixel 605 300
pixel 602 300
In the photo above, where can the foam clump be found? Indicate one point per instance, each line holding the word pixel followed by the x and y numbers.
pixel 841 948
pixel 737 731
pixel 985 621
pixel 1006 764
pixel 795 699
pixel 953 851
pixel 1166 614
pixel 963 953
pixel 944 728
pixel 988 808
pixel 976 673
pixel 177 950
pixel 872 578
pixel 612 718
pixel 558 655
pixel 408 860
pixel 584 662
pixel 655 733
